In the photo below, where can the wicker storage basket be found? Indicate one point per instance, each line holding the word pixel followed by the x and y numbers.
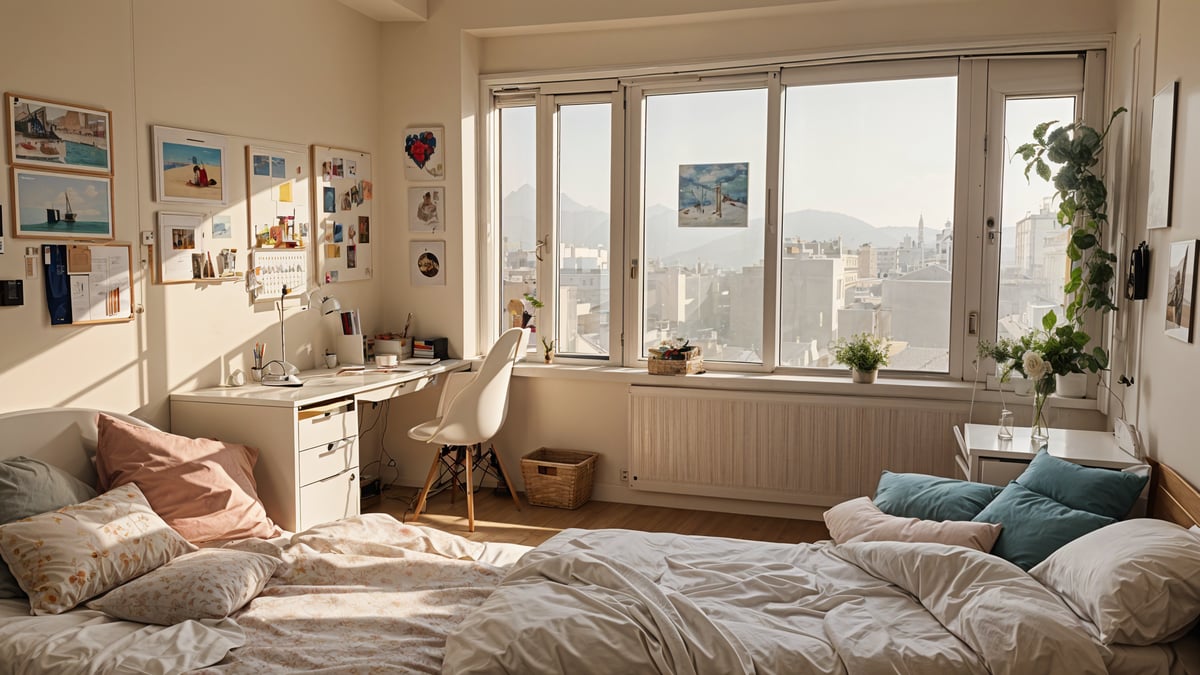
pixel 558 478
pixel 693 364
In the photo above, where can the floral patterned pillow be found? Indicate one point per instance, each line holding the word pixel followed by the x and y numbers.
pixel 209 584
pixel 61 558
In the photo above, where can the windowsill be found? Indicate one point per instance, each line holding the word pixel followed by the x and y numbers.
pixel 884 387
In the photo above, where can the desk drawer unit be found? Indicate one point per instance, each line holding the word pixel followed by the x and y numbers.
pixel 324 424
pixel 328 460
pixel 329 499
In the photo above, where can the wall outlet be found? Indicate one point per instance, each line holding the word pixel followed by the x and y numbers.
pixel 625 475
pixel 147 237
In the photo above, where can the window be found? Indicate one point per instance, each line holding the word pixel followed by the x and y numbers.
pixel 766 213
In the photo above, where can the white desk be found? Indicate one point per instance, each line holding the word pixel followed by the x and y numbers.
pixel 307 437
pixel 985 458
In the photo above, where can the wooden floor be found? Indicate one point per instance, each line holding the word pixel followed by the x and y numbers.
pixel 496 519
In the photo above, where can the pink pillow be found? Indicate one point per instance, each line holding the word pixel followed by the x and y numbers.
pixel 860 520
pixel 202 488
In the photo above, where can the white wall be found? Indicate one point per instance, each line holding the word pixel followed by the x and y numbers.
pixel 1164 397
pixel 299 71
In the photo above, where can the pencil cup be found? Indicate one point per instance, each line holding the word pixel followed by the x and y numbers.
pixel 256 374
pixel 331 360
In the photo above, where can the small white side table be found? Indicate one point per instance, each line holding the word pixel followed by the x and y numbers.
pixel 985 458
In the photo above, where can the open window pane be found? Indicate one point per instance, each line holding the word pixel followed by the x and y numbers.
pixel 1033 248
pixel 584 191
pixel 868 194
pixel 518 209
pixel 703 185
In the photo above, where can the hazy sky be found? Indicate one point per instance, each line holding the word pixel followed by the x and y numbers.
pixel 883 152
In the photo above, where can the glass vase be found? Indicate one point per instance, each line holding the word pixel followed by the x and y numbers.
pixel 1039 430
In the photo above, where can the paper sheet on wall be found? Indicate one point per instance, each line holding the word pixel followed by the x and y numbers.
pixel 104 293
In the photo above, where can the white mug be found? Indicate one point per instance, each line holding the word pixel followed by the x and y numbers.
pixel 386 360
pixel 331 360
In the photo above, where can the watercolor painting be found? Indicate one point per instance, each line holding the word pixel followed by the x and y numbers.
pixel 62 206
pixel 57 136
pixel 713 195
pixel 262 165
pixel 423 153
pixel 189 166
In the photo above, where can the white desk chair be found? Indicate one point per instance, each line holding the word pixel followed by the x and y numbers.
pixel 471 411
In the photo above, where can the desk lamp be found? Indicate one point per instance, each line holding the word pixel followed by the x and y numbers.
pixel 287 373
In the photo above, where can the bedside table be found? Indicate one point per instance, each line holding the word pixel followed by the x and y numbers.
pixel 984 458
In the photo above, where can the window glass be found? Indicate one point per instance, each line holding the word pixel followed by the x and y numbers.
pixel 584 252
pixel 518 212
pixel 868 196
pixel 703 186
pixel 1033 248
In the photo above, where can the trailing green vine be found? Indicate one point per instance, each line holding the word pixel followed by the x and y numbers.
pixel 1083 207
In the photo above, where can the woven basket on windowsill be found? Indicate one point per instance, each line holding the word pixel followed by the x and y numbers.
pixel 692 364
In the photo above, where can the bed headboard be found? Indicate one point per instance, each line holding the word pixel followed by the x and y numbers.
pixel 1172 498
pixel 61 437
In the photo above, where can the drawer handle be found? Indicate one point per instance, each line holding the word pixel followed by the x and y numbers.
pixel 328 449
pixel 351 478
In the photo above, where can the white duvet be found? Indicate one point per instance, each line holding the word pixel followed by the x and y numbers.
pixel 616 601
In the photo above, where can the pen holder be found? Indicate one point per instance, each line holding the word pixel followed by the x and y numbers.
pixel 350 350
pixel 401 347
pixel 256 374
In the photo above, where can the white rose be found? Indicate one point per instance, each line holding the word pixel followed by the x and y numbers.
pixel 1035 366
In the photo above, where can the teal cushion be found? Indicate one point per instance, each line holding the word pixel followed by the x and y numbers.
pixel 916 495
pixel 1035 525
pixel 1102 491
pixel 29 487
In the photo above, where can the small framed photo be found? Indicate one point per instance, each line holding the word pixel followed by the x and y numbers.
pixel 181 254
pixel 61 205
pixel 428 263
pixel 424 153
pixel 1181 289
pixel 189 166
pixel 425 209
pixel 58 136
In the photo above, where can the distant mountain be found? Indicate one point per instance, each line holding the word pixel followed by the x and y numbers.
pixel 725 247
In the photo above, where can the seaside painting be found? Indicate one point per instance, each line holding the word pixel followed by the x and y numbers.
pixel 189 166
pixel 713 195
pixel 62 206
pixel 57 136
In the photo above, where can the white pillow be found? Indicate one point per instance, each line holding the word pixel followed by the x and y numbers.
pixel 64 557
pixel 1137 580
pixel 208 584
pixel 860 520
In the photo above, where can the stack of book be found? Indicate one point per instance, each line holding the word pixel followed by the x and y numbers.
pixel 423 349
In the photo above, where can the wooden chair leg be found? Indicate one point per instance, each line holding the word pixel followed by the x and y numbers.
pixel 512 489
pixel 470 493
pixel 437 458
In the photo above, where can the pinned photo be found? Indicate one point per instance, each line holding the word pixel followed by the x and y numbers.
pixel 338 170
pixel 337 233
pixel 330 200
pixel 222 227
pixel 351 256
pixel 262 165
pixel 364 230
pixel 278 167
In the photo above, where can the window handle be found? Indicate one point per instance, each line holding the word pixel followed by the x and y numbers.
pixel 972 323
pixel 633 268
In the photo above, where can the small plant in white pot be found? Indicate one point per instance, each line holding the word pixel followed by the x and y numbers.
pixel 863 353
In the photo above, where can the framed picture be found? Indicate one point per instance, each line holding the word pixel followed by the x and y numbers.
pixel 713 195
pixel 428 263
pixel 58 136
pixel 277 196
pixel 1162 157
pixel 189 166
pixel 424 153
pixel 425 209
pixel 61 205
pixel 182 254
pixel 1181 289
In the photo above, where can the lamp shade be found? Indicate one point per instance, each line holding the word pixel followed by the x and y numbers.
pixel 330 304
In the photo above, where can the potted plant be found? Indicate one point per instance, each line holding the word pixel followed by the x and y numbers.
pixel 863 353
pixel 548 350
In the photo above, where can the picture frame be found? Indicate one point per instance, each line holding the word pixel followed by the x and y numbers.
pixel 1181 289
pixel 180 239
pixel 277 196
pixel 428 260
pixel 425 209
pixel 424 153
pixel 183 160
pixel 58 136
pixel 49 205
pixel 714 195
pixel 1162 157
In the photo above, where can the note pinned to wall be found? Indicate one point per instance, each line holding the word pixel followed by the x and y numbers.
pixel 285 191
pixel 88 287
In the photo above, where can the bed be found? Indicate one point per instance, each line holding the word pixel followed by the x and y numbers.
pixel 370 594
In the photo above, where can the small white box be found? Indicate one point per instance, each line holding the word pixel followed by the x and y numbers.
pixel 401 347
pixel 350 351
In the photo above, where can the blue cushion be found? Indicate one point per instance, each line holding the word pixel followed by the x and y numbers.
pixel 1102 491
pixel 1035 525
pixel 916 495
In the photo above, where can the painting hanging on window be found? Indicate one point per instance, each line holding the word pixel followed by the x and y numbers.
pixel 1181 289
pixel 713 195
